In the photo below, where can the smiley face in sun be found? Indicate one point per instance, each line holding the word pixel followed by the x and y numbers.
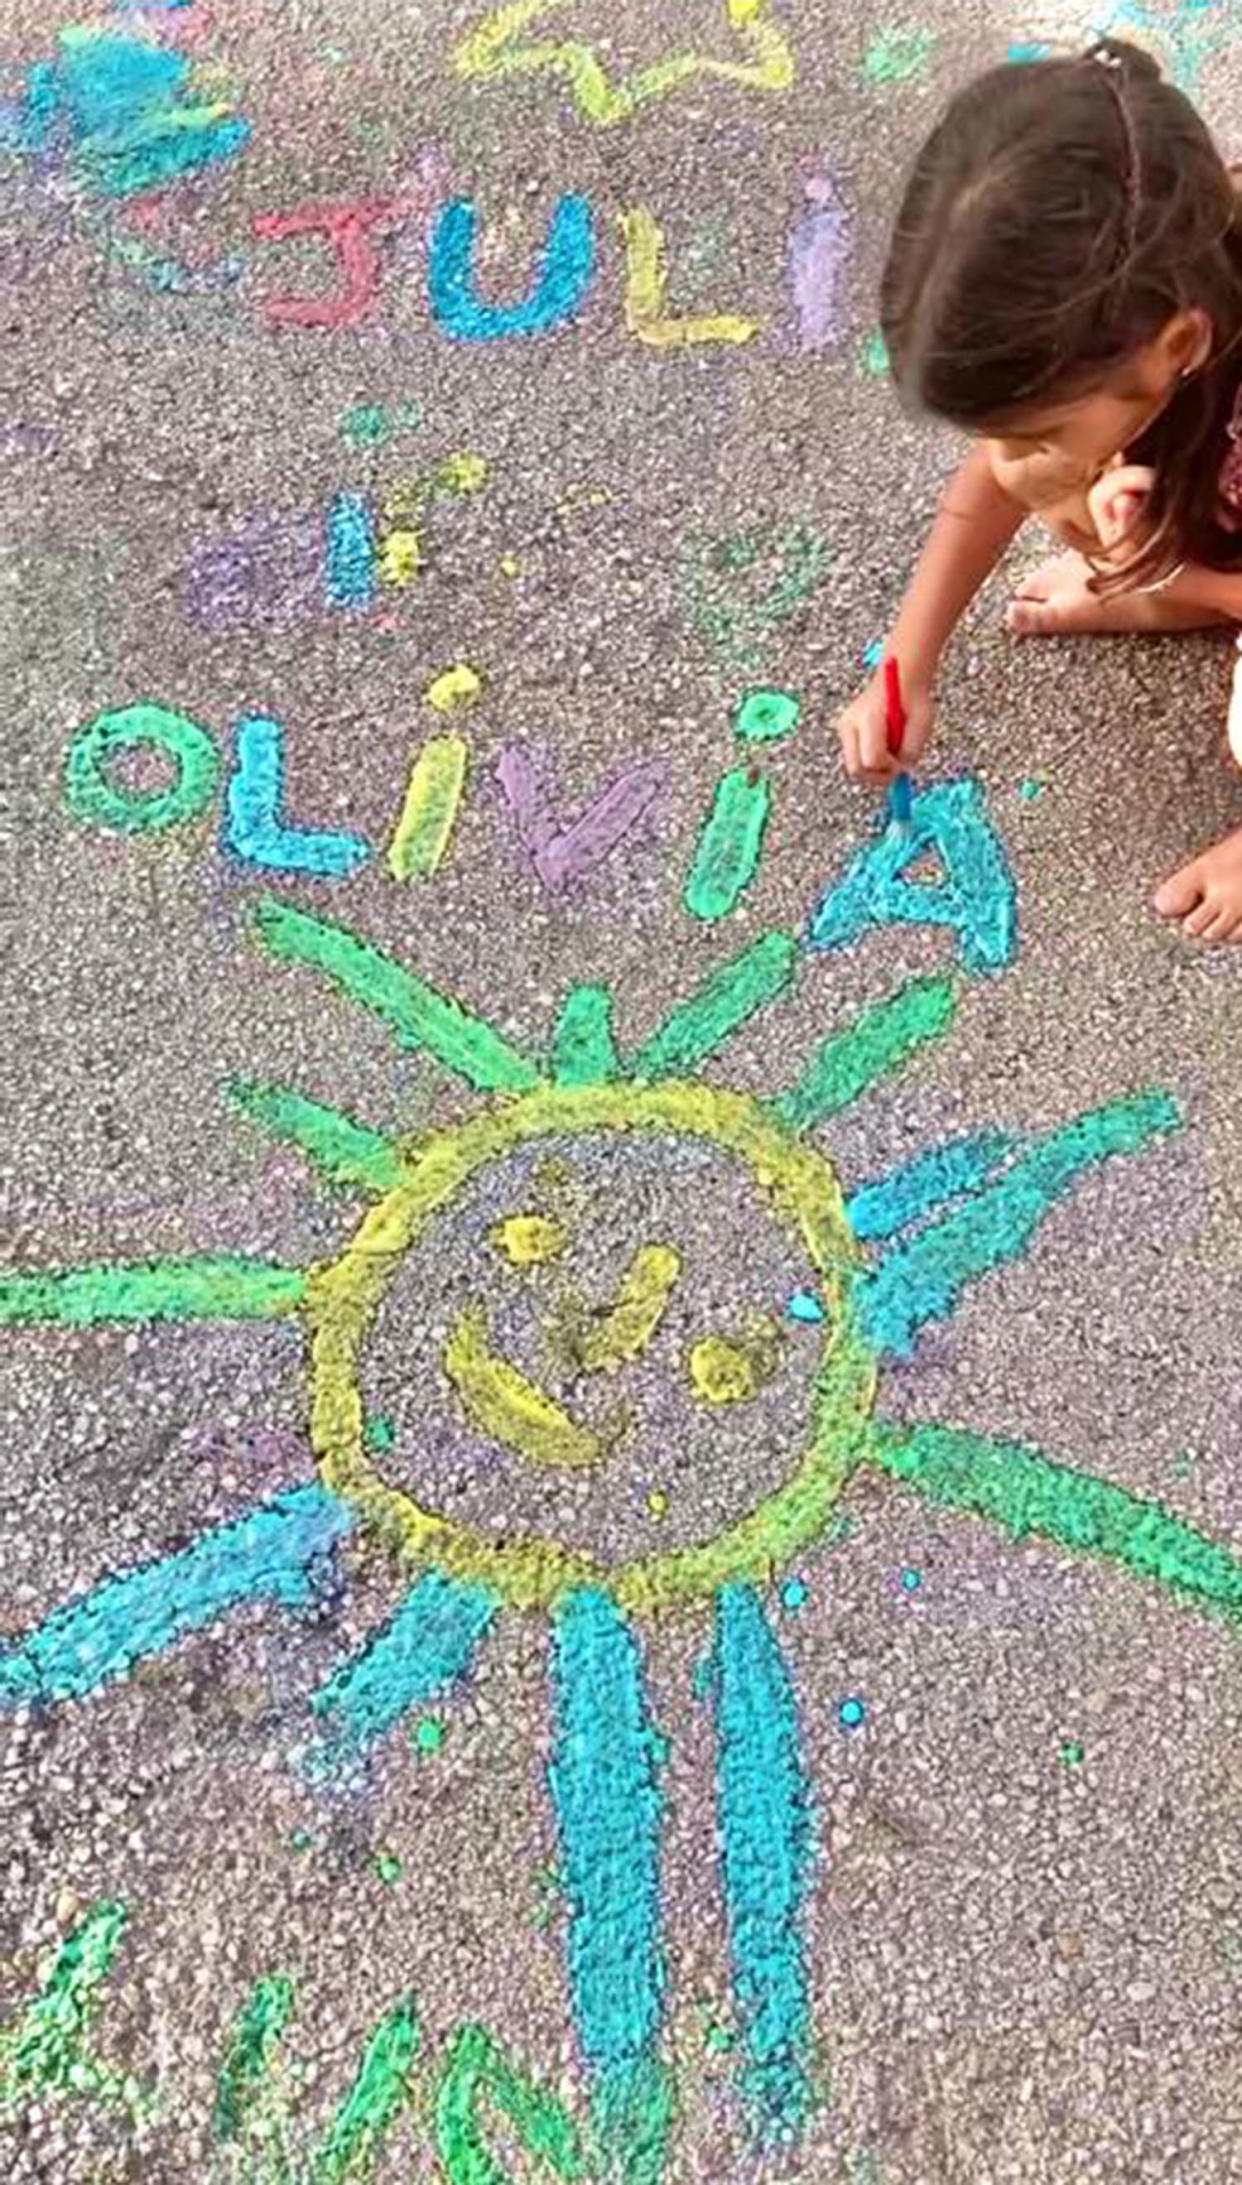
pixel 623 1331
pixel 805 1205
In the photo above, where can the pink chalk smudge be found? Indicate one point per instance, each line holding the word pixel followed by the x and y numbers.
pixel 562 856
pixel 819 247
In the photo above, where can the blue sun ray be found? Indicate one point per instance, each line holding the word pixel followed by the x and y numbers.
pixel 949 1170
pixel 609 1810
pixel 763 1811
pixel 923 1279
pixel 875 1043
pixel 344 1152
pixel 427 1645
pixel 415 1011
pixel 275 1553
pixel 224 1287
pixel 1028 1493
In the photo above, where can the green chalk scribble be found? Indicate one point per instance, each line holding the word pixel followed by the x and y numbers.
pixel 253 2120
pixel 722 576
pixel 247 2073
pixel 897 56
pixel 44 2053
pixel 475 2069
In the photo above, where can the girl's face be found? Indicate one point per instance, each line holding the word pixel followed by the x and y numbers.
pixel 1078 439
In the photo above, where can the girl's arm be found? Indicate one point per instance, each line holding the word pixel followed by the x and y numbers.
pixel 974 524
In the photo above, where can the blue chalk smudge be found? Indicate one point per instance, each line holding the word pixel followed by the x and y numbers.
pixel 426 1645
pixel 873 653
pixel 276 1553
pixel 349 576
pixel 976 899
pixel 795 1593
pixel 252 825
pixel 806 1307
pixel 923 1279
pixel 609 1811
pixel 763 1816
pixel 945 1171
pixel 851 1714
pixel 1032 51
pixel 562 276
pixel 131 127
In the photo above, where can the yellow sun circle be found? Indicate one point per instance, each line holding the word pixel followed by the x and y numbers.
pixel 805 1198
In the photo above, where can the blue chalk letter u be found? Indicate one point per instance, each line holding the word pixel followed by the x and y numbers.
pixel 562 277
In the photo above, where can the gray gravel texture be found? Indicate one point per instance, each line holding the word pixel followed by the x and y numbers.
pixel 1023 1972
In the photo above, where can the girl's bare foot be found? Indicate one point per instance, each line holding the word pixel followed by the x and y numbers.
pixel 1207 894
pixel 1054 601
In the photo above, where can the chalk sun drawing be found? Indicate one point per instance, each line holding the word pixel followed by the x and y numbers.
pixel 878 1264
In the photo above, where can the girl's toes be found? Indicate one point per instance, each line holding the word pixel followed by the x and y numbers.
pixel 1178 896
pixel 1200 921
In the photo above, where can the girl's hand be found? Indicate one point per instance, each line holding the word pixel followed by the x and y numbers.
pixel 1117 502
pixel 863 729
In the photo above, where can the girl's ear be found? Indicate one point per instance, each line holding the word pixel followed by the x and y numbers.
pixel 1186 340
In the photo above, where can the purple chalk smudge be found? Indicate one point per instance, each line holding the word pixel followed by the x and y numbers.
pixel 819 247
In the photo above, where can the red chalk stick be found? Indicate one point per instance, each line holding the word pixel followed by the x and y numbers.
pixel 895 711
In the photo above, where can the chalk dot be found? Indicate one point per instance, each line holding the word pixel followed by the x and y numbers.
pixel 764 716
pixel 1072 1754
pixel 528 1240
pixel 805 1306
pixel 379 1432
pixel 910 1580
pixel 301 1840
pixel 873 653
pixel 510 566
pixel 457 686
pixel 851 1714
pixel 388 1867
pixel 1030 790
pixel 657 1502
pixel 718 2039
pixel 795 1593
pixel 875 355
pixel 366 425
pixel 430 1734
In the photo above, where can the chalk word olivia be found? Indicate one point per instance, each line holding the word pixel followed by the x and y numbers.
pixel 970 894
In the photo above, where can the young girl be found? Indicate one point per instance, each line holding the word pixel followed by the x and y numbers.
pixel 1065 282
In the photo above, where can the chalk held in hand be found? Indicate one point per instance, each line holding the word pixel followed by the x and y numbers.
pixel 1234 725
pixel 895 713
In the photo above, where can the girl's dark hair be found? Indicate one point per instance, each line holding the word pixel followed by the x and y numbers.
pixel 1057 217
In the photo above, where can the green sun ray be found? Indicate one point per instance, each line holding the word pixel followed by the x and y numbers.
pixel 418 1014
pixel 583 1049
pixel 1026 1492
pixel 227 1287
pixel 873 1044
pixel 344 1152
pixel 697 1027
